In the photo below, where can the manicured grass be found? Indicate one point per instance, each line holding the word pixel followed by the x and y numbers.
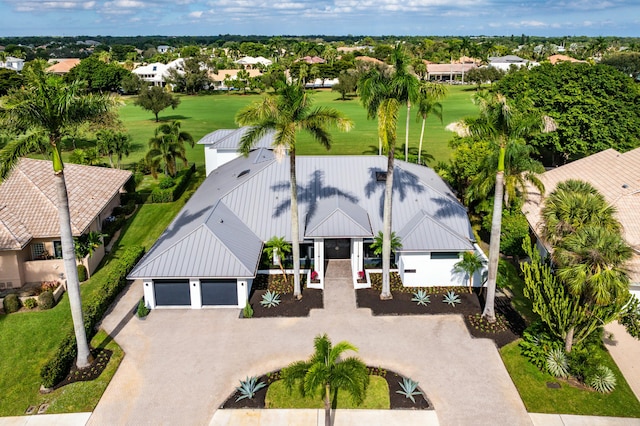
pixel 204 114
pixel 538 398
pixel 515 285
pixel 377 397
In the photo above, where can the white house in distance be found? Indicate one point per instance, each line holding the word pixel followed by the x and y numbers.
pixel 15 64
pixel 157 72
pixel 210 254
pixel 250 61
pixel 504 63
pixel 617 177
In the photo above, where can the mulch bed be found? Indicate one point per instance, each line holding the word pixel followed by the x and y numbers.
pixel 289 306
pixel 101 358
pixel 508 327
pixel 397 401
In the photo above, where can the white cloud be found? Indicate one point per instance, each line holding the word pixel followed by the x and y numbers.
pixel 196 14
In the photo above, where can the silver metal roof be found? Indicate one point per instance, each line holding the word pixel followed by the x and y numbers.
pixel 230 138
pixel 338 217
pixel 337 196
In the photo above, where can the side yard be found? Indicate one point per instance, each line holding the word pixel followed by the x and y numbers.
pixel 28 339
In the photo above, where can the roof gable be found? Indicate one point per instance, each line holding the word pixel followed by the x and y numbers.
pixel 338 217
pixel 424 233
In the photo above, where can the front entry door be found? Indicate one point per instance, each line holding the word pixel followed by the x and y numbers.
pixel 337 248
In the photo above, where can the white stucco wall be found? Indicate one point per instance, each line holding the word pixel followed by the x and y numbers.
pixel 428 272
pixel 215 158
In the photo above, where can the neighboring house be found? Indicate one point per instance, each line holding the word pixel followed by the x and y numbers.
pixel 221 146
pixel 505 63
pixel 30 249
pixel 617 177
pixel 219 78
pixel 210 254
pixel 15 64
pixel 251 62
pixel 554 59
pixel 449 71
pixel 157 72
pixel 62 66
pixel 311 60
pixel 164 49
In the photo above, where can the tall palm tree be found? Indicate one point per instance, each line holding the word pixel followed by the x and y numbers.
pixel 505 124
pixel 277 248
pixel 47 106
pixel 288 113
pixel 112 143
pixel 325 371
pixel 405 87
pixel 428 103
pixel 470 263
pixel 167 146
pixel 590 263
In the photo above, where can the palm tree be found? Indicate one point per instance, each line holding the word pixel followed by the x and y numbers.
pixel 573 205
pixel 326 371
pixel 504 123
pixel 378 241
pixel 112 143
pixel 47 106
pixel 470 263
pixel 428 103
pixel 590 264
pixel 166 147
pixel 405 87
pixel 289 113
pixel 276 248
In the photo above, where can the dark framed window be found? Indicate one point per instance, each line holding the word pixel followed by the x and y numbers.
pixel 57 249
pixel 445 255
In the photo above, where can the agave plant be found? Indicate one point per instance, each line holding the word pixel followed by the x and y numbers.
pixel 451 298
pixel 248 387
pixel 409 389
pixel 603 380
pixel 421 297
pixel 557 363
pixel 270 299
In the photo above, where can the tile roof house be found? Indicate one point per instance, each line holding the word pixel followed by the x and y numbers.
pixel 505 63
pixel 30 249
pixel 210 254
pixel 617 177
pixel 62 66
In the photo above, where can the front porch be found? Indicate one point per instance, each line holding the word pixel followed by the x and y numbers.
pixel 348 249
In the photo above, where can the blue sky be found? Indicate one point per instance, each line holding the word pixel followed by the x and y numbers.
pixel 333 17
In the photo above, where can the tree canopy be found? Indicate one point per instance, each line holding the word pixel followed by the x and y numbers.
pixel 594 106
pixel 156 99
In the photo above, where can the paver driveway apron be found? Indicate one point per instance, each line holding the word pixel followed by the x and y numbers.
pixel 180 365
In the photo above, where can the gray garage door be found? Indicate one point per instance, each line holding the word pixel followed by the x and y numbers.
pixel 172 292
pixel 219 292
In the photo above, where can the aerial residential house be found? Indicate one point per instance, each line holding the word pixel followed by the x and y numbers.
pixel 617 177
pixel 15 64
pixel 554 59
pixel 30 248
pixel 62 66
pixel 222 77
pixel 164 49
pixel 251 62
pixel 157 72
pixel 210 254
pixel 505 63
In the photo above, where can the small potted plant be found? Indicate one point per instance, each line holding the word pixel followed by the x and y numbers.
pixel 362 277
pixel 314 277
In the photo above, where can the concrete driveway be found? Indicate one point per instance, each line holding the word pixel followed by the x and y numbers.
pixel 180 365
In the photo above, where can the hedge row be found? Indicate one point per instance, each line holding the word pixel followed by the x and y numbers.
pixel 58 366
pixel 172 194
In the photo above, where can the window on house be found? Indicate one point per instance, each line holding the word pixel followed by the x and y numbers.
pixel 409 271
pixel 38 251
pixel 445 255
pixel 57 249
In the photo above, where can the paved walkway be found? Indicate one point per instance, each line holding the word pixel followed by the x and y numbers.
pixel 180 365
pixel 625 351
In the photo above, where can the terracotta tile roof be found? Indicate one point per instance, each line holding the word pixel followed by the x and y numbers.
pixel 63 66
pixel 554 59
pixel 617 177
pixel 28 200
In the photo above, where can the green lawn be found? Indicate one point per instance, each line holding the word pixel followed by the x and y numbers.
pixel 377 397
pixel 538 398
pixel 28 339
pixel 203 114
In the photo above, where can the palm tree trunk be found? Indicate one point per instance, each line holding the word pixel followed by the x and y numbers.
pixel 295 228
pixel 494 243
pixel 424 120
pixel 568 340
pixel 73 285
pixel 406 133
pixel 327 405
pixel 386 226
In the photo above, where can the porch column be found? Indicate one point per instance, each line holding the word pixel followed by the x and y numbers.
pixel 196 295
pixel 149 295
pixel 357 256
pixel 318 259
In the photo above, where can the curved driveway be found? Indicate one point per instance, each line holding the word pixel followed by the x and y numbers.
pixel 180 365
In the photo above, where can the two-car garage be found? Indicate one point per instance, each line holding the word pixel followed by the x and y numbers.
pixel 196 293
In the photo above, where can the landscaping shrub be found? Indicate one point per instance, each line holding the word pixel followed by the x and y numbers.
pixel 168 195
pixel 142 311
pixel 58 366
pixel 30 303
pixel 11 303
pixel 82 273
pixel 125 209
pixel 46 300
pixel 166 182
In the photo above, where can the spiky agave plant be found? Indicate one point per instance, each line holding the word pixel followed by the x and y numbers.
pixel 557 363
pixel 603 380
